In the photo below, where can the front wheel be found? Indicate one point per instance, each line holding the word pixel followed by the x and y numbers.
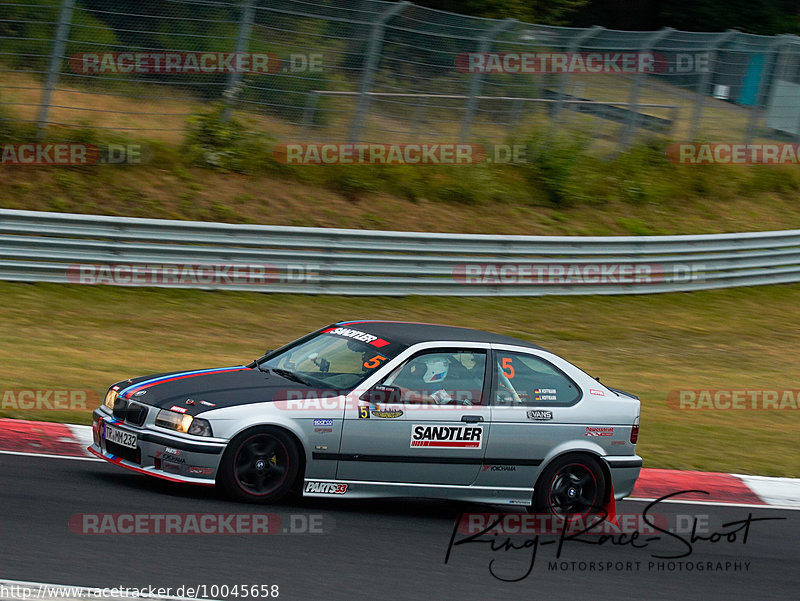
pixel 572 486
pixel 259 465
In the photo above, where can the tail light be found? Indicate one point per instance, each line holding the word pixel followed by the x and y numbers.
pixel 635 431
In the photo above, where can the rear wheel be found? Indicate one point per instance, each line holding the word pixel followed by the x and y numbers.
pixel 572 486
pixel 259 465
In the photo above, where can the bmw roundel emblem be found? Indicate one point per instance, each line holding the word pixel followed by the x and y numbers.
pixel 140 393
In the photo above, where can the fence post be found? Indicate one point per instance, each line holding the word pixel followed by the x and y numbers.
pixel 373 56
pixel 476 82
pixel 563 79
pixel 242 38
pixel 633 101
pixel 702 85
pixel 797 122
pixel 776 47
pixel 308 113
pixel 54 68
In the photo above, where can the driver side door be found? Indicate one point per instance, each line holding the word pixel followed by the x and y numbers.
pixel 433 427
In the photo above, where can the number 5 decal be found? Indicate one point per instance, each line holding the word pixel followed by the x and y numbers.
pixel 374 362
pixel 363 412
pixel 507 365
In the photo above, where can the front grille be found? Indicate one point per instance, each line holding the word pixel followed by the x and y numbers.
pixel 133 413
pixel 133 455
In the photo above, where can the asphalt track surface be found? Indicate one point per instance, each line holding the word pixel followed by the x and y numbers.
pixel 386 549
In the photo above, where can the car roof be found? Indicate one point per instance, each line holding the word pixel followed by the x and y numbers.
pixel 408 333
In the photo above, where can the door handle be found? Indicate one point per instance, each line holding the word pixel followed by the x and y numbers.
pixel 472 419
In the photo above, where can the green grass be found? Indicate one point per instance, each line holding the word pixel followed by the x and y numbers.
pixel 75 337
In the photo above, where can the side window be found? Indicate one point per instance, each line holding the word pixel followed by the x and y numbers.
pixel 442 377
pixel 527 380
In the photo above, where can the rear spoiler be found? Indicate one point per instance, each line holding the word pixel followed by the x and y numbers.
pixel 622 392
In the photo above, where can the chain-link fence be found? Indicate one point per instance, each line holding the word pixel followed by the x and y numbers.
pixel 375 71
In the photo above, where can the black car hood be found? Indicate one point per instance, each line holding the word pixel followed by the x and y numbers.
pixel 205 390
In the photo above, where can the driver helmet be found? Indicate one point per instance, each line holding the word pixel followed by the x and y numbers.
pixel 436 370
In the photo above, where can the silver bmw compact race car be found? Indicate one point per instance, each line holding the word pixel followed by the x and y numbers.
pixel 383 409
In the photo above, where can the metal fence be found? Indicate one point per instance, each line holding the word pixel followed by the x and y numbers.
pixel 86 249
pixel 376 71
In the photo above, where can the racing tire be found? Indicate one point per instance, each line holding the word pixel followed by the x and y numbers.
pixel 259 465
pixel 572 486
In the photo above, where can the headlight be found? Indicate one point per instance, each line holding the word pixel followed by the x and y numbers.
pixel 173 420
pixel 111 396
pixel 183 423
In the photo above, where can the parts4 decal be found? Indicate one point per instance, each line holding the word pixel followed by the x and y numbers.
pixel 325 488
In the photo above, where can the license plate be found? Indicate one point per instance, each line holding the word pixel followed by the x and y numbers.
pixel 120 437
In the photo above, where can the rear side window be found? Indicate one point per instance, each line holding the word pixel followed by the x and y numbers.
pixel 522 379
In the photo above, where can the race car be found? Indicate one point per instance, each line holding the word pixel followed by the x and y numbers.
pixel 383 409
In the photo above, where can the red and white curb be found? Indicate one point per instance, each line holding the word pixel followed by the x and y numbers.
pixel 722 489
pixel 20 437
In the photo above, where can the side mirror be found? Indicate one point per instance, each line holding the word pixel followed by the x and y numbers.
pixel 382 394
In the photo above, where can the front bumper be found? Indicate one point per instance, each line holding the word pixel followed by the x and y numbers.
pixel 158 454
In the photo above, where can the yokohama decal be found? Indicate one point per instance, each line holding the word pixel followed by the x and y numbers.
pixel 449 437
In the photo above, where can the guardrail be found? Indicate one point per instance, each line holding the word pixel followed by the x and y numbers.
pixel 90 249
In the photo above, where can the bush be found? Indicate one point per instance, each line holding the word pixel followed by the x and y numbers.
pixel 212 140
pixel 557 167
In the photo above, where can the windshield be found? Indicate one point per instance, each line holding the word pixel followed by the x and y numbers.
pixel 338 358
